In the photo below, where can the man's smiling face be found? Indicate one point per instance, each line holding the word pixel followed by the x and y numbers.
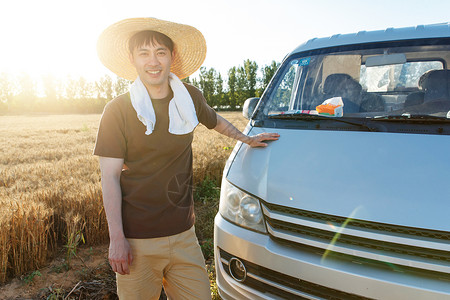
pixel 152 62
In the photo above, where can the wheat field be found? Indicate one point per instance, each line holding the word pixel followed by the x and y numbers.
pixel 50 189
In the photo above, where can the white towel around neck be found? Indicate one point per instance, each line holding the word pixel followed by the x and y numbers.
pixel 182 115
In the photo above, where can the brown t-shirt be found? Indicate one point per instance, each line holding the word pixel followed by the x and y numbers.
pixel 157 183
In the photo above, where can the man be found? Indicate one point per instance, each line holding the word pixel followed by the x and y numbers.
pixel 144 144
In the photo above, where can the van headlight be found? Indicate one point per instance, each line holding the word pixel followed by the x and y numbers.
pixel 240 208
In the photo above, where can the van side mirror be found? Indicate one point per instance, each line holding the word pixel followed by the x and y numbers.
pixel 249 107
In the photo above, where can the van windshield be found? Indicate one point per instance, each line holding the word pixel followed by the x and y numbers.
pixel 369 83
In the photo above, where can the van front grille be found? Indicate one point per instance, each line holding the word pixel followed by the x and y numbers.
pixel 413 248
pixel 282 285
pixel 328 236
pixel 339 221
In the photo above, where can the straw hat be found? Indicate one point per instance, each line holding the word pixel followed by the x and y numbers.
pixel 189 46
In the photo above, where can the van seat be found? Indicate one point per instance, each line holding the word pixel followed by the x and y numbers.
pixel 415 98
pixel 435 84
pixel 372 102
pixel 343 85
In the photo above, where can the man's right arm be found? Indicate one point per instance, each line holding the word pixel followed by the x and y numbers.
pixel 119 249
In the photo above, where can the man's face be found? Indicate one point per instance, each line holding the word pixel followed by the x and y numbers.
pixel 152 63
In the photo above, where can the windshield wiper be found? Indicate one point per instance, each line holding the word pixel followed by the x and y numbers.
pixel 412 118
pixel 308 117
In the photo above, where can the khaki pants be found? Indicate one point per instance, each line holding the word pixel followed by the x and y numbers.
pixel 175 262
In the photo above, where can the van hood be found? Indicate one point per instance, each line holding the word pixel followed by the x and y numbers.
pixel 393 178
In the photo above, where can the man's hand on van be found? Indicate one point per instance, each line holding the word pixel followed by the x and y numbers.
pixel 226 128
pixel 257 140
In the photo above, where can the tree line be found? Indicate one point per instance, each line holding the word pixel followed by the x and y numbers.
pixel 22 93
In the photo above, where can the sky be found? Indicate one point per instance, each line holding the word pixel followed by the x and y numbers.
pixel 58 37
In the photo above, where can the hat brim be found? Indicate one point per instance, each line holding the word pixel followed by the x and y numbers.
pixel 189 46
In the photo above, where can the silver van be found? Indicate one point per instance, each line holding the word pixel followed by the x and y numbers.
pixel 353 200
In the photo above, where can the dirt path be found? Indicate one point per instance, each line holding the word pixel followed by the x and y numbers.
pixel 89 277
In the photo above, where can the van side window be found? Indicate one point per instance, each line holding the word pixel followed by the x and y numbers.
pixel 398 84
pixel 395 77
pixel 284 93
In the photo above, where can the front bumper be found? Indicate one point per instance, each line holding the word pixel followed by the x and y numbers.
pixel 280 271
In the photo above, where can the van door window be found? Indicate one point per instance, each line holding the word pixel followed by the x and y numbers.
pixel 396 81
pixel 284 94
pixel 395 77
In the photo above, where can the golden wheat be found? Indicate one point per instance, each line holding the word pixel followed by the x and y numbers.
pixel 50 184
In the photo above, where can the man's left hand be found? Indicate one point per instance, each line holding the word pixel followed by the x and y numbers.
pixel 257 140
